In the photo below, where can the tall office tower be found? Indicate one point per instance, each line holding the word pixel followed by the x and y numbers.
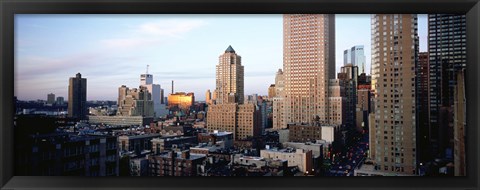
pixel 229 81
pixel 208 97
pixel 423 136
pixel 77 97
pixel 308 63
pixel 394 57
pixel 447 56
pixel 460 124
pixel 278 117
pixel 358 57
pixel 146 80
pixel 347 56
pixel 229 113
pixel 135 102
pixel 51 98
pixel 337 102
pixel 349 79
pixel 355 56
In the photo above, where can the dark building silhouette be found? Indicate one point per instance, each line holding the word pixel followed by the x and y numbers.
pixel 423 143
pixel 447 56
pixel 77 97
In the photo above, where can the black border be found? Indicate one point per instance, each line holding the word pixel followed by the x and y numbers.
pixel 9 8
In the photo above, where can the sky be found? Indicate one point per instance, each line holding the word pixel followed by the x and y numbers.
pixel 113 50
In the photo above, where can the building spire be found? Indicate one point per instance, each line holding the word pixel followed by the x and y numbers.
pixel 147 69
pixel 229 49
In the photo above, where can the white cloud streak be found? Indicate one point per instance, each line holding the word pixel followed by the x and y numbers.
pixel 154 33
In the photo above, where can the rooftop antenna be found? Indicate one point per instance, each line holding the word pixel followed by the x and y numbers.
pixel 147 68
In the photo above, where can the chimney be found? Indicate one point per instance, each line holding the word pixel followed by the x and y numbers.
pixel 172 86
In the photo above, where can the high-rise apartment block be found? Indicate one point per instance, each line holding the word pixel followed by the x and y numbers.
pixel 229 81
pixel 51 98
pixel 135 102
pixel 308 63
pixel 394 58
pixel 77 97
pixel 447 55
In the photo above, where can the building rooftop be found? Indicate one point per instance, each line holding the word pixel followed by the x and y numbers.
pixel 229 49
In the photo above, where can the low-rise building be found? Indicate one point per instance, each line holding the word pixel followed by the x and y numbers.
pixel 244 120
pixel 139 166
pixel 265 166
pixel 136 143
pixel 163 144
pixel 67 154
pixel 174 163
pixel 304 133
pixel 216 136
pixel 303 159
pixel 120 120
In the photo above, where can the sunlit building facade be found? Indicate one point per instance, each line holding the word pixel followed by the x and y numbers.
pixel 181 100
pixel 394 58
pixel 229 78
pixel 308 63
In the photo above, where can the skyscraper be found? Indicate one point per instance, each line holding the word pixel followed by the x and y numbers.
pixel 51 98
pixel 447 56
pixel 77 97
pixel 355 56
pixel 146 80
pixel 229 113
pixel 278 116
pixel 349 79
pixel 308 63
pixel 358 57
pixel 394 58
pixel 347 56
pixel 423 138
pixel 229 81
pixel 208 97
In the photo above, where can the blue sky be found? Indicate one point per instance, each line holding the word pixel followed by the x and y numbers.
pixel 113 50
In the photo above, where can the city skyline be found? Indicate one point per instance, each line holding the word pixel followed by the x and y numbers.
pixel 113 50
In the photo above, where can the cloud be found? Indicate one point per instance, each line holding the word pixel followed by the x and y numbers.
pixel 153 33
pixel 171 28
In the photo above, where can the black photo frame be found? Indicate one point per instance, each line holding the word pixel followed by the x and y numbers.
pixel 11 7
